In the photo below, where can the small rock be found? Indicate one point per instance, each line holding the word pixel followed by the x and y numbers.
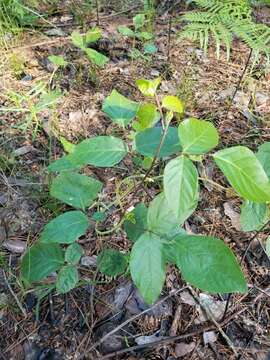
pixel 31 351
pixel 261 98
pixel 23 150
pixel 232 215
pixel 3 199
pixel 47 65
pixel 3 300
pixel 167 87
pixel 141 340
pixel 182 349
pixel 55 32
pixel 227 93
pixel 114 342
pixel 75 116
pixel 187 298
pixel 241 100
pixel 89 261
pixel 15 246
pixel 8 36
pixel 215 307
pixel 209 337
pixel 155 72
pixel 121 295
pixel 249 116
pixel 136 305
pixel 27 77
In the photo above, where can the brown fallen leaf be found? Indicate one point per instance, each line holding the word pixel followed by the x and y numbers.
pixel 182 349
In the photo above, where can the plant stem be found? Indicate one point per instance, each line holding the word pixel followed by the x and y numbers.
pixel 116 227
pixel 138 186
pixel 213 183
pixel 239 81
pixel 169 40
pixel 97 11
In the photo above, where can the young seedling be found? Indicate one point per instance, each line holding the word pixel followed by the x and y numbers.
pixel 138 33
pixel 84 41
pixel 155 229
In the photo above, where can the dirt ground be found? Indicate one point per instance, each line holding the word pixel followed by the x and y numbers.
pixel 70 326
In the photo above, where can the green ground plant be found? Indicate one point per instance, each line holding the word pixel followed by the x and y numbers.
pixel 221 21
pixel 154 229
pixel 138 33
pixel 83 42
pixel 31 104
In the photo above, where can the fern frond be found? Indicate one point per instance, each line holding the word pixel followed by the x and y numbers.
pixel 199 17
pixel 224 19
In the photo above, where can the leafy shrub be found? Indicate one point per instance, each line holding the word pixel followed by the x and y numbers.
pixel 155 230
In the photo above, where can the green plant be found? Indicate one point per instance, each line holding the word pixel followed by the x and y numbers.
pixel 155 231
pixel 13 15
pixel 31 103
pixel 221 21
pixel 81 10
pixel 83 41
pixel 138 33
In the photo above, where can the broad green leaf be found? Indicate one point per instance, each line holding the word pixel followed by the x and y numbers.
pixel 207 263
pixel 66 228
pixel 96 57
pixel 111 262
pixel 93 35
pixel 138 21
pixel 99 216
pixel 181 187
pixel 119 108
pixel 147 116
pixel 144 35
pixel 160 219
pixel 253 215
pixel 148 87
pixel 150 48
pixel 197 136
pixel 267 247
pixel 244 172
pixel 170 249
pixel 102 151
pixel 147 266
pixel 147 163
pixel 77 39
pixel 75 190
pixel 73 254
pixel 67 145
pixel 67 279
pixel 174 104
pixel 40 261
pixel 147 142
pixel 126 31
pixel 57 60
pixel 136 224
pixel 63 164
pixel 263 155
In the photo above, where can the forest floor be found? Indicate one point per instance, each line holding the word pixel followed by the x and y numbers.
pixel 69 327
